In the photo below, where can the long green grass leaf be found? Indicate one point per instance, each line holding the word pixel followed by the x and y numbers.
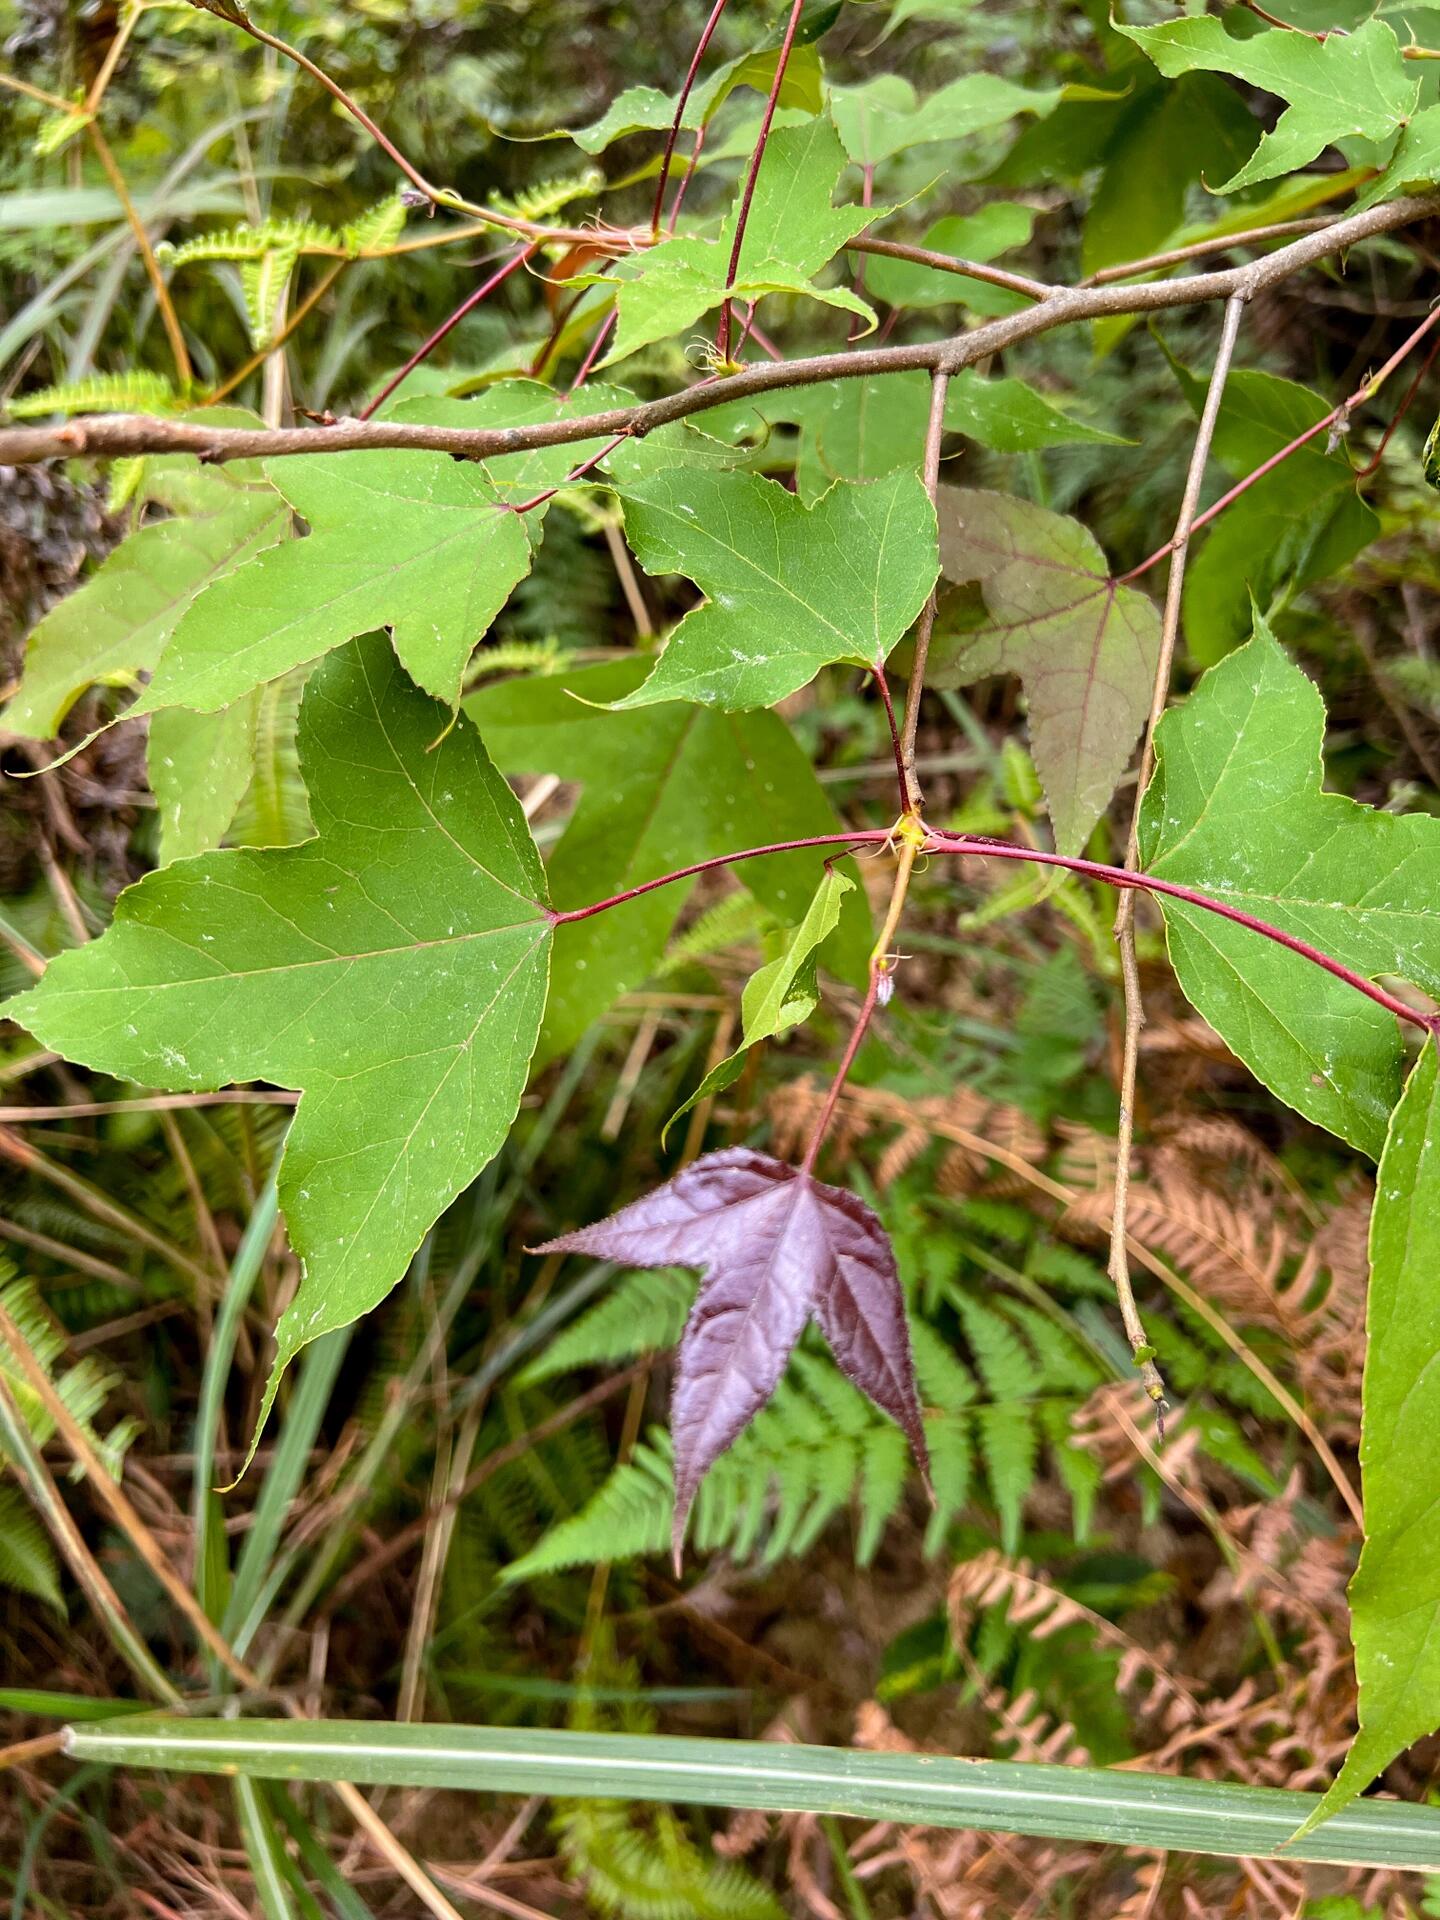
pixel 1063 1803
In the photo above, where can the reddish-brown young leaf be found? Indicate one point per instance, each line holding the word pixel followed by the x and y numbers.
pixel 774 1246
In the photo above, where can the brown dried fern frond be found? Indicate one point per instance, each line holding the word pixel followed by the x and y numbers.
pixel 1240 1262
pixel 1037 1604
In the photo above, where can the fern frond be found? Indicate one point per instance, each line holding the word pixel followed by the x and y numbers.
pixel 736 918
pixel 636 1862
pixel 628 1517
pixel 136 391
pixel 1239 1259
pixel 518 656
pixel 1006 1363
pixel 645 1312
pixel 884 1469
pixel 1043 1609
pixel 262 286
pixel 1065 1366
pixel 641 1865
pixel 542 199
pixel 253 243
pixel 1009 1446
pixel 27 1560
pixel 275 811
pixel 945 1381
pixel 952 1459
pixel 377 229
pixel 83 1388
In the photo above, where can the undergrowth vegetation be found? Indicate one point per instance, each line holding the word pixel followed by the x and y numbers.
pixel 568 1152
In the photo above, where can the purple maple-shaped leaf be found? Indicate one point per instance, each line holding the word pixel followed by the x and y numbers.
pixel 774 1246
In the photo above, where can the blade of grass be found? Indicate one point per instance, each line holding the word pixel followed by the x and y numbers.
pixel 303 1414
pixel 266 1853
pixel 343 1899
pixel 1065 1803
pixel 244 1270
pixel 42 1704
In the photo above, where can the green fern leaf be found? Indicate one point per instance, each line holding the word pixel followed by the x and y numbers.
pixel 263 283
pixel 253 243
pixel 1007 1366
pixel 730 922
pixel 951 1469
pixel 543 199
pixel 628 1517
pixel 1009 1446
pixel 945 1380
pixel 136 391
pixel 644 1313
pixel 884 1470
pixel 1065 1366
pixel 377 229
pixel 83 1388
pixel 27 1560
pixel 1080 1473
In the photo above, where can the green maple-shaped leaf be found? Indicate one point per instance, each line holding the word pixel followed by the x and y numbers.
pixel 393 969
pixel 789 590
pixel 1345 86
pixel 1236 810
pixel 648 110
pixel 199 766
pixel 885 117
pixel 660 789
pixel 1002 412
pixel 1084 647
pixel 792 232
pixel 781 994
pixel 396 538
pixel 117 624
pixel 1414 164
pixel 1395 1595
pixel 414 541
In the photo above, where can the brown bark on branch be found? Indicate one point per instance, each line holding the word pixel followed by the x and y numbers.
pixel 109 435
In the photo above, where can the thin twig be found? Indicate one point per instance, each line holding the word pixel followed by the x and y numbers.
pixel 706 34
pixel 934 434
pixel 1197 249
pixel 179 352
pixel 902 779
pixel 629 582
pixel 952 263
pixel 752 175
pixel 115 434
pixel 468 305
pixel 437 196
pixel 1337 418
pixel 1119 1265
pixel 593 352
pixel 878 990
pixel 150 1103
